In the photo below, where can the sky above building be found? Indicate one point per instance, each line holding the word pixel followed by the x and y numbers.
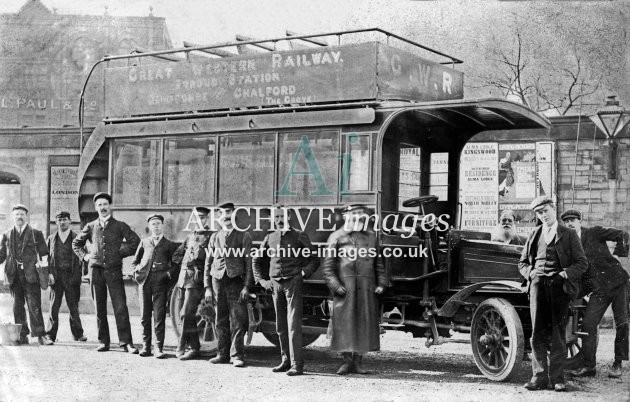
pixel 555 31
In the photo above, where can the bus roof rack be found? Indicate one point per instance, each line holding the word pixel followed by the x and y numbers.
pixel 271 44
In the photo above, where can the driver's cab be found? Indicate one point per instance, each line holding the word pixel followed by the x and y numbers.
pixel 419 179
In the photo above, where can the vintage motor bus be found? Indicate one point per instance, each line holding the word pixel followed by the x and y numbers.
pixel 315 126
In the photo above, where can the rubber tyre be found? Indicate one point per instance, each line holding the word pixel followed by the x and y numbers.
pixel 307 339
pixel 497 358
pixel 176 304
pixel 575 357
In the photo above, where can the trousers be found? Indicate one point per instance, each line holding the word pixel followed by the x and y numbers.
pixel 152 295
pixel 232 319
pixel 549 307
pixel 188 319
pixel 29 293
pixel 597 305
pixel 72 292
pixel 287 300
pixel 102 281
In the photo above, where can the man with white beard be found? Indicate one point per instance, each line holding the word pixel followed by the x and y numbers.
pixel 505 231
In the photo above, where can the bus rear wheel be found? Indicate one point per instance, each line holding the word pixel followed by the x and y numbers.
pixel 307 339
pixel 204 323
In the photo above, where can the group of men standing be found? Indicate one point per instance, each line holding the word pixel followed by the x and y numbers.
pixel 563 263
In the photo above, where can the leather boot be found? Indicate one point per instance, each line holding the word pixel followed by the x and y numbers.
pixel 347 365
pixel 357 360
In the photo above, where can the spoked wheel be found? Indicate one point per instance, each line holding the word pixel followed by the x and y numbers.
pixel 204 323
pixel 307 339
pixel 497 339
pixel 575 356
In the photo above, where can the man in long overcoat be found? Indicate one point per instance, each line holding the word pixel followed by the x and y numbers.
pixel 65 267
pixel 608 282
pixel 355 275
pixel 20 248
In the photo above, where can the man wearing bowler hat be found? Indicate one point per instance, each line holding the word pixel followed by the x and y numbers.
pixel 190 257
pixel 110 241
pixel 228 277
pixel 65 267
pixel 608 282
pixel 153 270
pixel 22 247
pixel 552 263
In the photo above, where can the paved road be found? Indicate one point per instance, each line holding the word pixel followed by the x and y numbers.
pixel 403 370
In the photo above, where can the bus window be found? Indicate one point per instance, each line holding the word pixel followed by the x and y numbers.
pixel 308 164
pixel 246 168
pixel 438 180
pixel 188 177
pixel 409 178
pixel 358 147
pixel 136 172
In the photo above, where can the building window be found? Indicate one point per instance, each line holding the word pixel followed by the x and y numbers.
pixel 189 171
pixel 136 172
pixel 246 168
pixel 438 180
pixel 308 168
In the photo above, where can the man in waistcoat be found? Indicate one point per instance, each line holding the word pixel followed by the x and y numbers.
pixel 608 282
pixel 228 278
pixel 552 262
pixel 152 270
pixel 290 261
pixel 110 241
pixel 65 267
pixel 191 256
pixel 21 247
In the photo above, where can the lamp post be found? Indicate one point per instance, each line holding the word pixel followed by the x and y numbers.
pixel 611 119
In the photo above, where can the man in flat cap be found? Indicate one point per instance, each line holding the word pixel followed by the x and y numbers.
pixel 290 261
pixel 228 277
pixel 65 267
pixel 152 270
pixel 21 247
pixel 355 274
pixel 191 256
pixel 110 241
pixel 552 262
pixel 608 282
pixel 505 232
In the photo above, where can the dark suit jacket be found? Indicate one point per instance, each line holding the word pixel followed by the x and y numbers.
pixel 72 277
pixel 29 253
pixel 147 254
pixel 604 271
pixel 234 265
pixel 570 252
pixel 108 246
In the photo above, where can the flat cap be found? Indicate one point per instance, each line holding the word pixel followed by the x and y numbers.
pixel 354 207
pixel 62 214
pixel 20 206
pixel 102 195
pixel 571 213
pixel 202 210
pixel 155 216
pixel 541 201
pixel 226 205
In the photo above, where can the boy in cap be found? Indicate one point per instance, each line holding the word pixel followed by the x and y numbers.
pixel 552 262
pixel 21 248
pixel 110 241
pixel 355 283
pixel 608 282
pixel 152 270
pixel 65 267
pixel 228 278
pixel 190 256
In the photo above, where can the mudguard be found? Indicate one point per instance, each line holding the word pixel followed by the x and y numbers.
pixel 452 305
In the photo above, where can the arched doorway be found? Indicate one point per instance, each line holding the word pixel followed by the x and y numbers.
pixel 10 194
